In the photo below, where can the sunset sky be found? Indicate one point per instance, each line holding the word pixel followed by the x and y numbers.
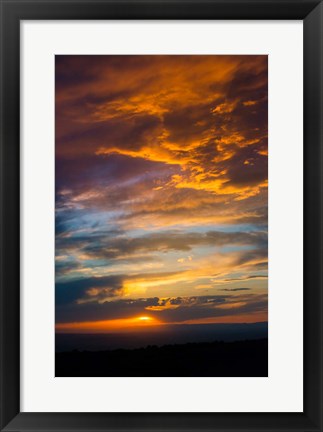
pixel 161 191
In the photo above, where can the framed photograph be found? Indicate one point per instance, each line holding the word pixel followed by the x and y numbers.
pixel 161 215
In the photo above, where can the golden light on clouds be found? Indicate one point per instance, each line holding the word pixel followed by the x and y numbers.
pixel 161 190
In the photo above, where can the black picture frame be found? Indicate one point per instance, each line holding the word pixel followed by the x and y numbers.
pixel 12 12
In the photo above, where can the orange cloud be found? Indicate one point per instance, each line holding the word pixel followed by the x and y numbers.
pixel 149 146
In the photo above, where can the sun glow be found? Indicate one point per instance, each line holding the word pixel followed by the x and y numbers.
pixel 145 318
pixel 108 325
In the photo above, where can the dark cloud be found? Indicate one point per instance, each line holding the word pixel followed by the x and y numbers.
pixel 90 288
pixel 187 308
pixel 109 245
pixel 63 267
pixel 100 288
pixel 236 289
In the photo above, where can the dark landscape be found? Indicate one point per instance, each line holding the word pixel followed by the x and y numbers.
pixel 178 334
pixel 208 350
pixel 215 359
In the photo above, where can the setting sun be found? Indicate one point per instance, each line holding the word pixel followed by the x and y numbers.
pixel 108 325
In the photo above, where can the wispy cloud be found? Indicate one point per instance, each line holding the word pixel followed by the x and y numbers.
pixel 161 183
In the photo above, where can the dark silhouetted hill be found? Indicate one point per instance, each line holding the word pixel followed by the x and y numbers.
pixel 247 358
pixel 169 334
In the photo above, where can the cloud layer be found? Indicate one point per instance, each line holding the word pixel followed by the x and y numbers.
pixel 161 185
